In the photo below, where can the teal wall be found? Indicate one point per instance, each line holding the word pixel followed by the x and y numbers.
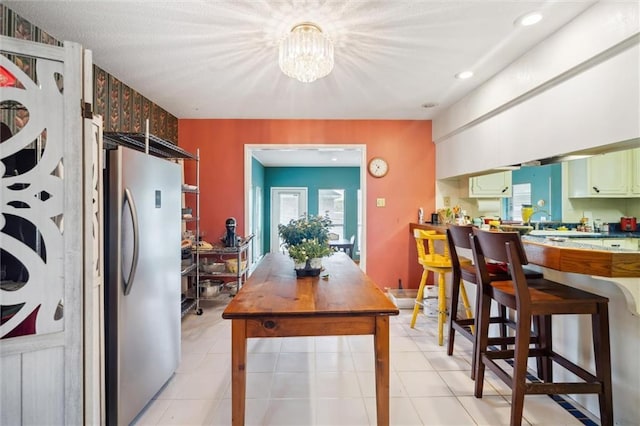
pixel 257 175
pixel 257 180
pixel 539 177
pixel 314 178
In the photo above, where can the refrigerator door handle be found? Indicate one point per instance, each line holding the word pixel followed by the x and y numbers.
pixel 128 282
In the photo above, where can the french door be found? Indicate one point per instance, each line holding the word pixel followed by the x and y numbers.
pixel 286 204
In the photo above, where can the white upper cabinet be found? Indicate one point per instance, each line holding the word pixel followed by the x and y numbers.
pixel 635 171
pixel 490 186
pixel 604 176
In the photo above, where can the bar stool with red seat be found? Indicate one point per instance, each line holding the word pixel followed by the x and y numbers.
pixel 463 269
pixel 545 299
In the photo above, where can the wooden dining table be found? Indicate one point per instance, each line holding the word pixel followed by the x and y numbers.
pixel 343 300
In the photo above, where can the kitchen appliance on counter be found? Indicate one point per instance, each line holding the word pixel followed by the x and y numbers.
pixel 230 238
pixel 628 224
pixel 142 279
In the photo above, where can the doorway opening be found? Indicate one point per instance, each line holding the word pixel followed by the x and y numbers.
pixel 305 155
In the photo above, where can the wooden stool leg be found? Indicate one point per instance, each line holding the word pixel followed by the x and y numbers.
pixel 544 363
pixel 455 291
pixel 521 355
pixel 602 355
pixel 476 326
pixel 483 314
pixel 419 298
pixel 465 303
pixel 442 307
pixel 537 326
pixel 503 324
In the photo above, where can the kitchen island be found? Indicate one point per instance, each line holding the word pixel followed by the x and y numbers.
pixel 616 265
pixel 592 269
pixel 619 266
pixel 595 269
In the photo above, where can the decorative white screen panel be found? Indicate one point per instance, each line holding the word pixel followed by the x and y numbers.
pixel 31 196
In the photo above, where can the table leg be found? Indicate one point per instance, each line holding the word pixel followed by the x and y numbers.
pixel 381 347
pixel 238 370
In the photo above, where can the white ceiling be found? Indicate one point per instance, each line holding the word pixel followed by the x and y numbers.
pixel 308 156
pixel 219 59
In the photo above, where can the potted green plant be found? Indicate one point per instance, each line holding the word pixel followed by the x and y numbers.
pixel 307 241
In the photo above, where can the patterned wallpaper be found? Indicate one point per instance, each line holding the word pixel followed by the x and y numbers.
pixel 123 109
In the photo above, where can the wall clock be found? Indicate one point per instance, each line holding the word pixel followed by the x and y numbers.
pixel 378 167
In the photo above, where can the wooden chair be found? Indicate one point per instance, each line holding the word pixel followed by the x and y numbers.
pixel 546 298
pixel 352 243
pixel 342 245
pixel 332 236
pixel 439 264
pixel 463 269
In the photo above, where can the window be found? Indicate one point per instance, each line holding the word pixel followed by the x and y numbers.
pixel 331 203
pixel 521 195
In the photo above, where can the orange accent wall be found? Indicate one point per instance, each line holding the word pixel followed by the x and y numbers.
pixel 410 183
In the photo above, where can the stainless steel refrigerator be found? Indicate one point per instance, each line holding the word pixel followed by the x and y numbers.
pixel 142 279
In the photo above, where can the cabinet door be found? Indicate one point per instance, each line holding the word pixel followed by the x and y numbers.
pixel 609 174
pixel 624 243
pixel 635 171
pixel 615 243
pixel 587 241
pixel 492 185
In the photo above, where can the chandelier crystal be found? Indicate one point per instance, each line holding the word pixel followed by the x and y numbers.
pixel 306 54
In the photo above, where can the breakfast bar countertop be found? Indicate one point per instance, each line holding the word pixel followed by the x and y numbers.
pixel 572 242
pixel 579 234
pixel 612 264
pixel 571 256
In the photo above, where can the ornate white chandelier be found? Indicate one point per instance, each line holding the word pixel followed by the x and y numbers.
pixel 306 54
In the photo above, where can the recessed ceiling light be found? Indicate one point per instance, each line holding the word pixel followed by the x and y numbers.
pixel 464 75
pixel 429 105
pixel 528 19
pixel 334 159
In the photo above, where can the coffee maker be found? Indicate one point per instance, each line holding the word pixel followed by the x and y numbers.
pixel 230 238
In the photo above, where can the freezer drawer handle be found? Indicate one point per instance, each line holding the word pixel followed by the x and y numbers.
pixel 134 220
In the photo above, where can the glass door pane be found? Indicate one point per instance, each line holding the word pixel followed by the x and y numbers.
pixel 331 203
pixel 286 204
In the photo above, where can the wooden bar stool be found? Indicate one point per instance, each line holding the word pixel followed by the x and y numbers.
pixel 545 299
pixel 463 269
pixel 439 264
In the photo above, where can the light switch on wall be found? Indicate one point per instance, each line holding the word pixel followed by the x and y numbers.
pixel 380 202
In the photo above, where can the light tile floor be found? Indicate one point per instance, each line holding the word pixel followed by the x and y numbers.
pixel 330 381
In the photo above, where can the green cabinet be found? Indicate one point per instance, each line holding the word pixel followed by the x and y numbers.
pixel 635 172
pixel 601 176
pixel 494 185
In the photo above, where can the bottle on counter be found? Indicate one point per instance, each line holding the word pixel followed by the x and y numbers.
pixel 597 225
pixel 584 225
